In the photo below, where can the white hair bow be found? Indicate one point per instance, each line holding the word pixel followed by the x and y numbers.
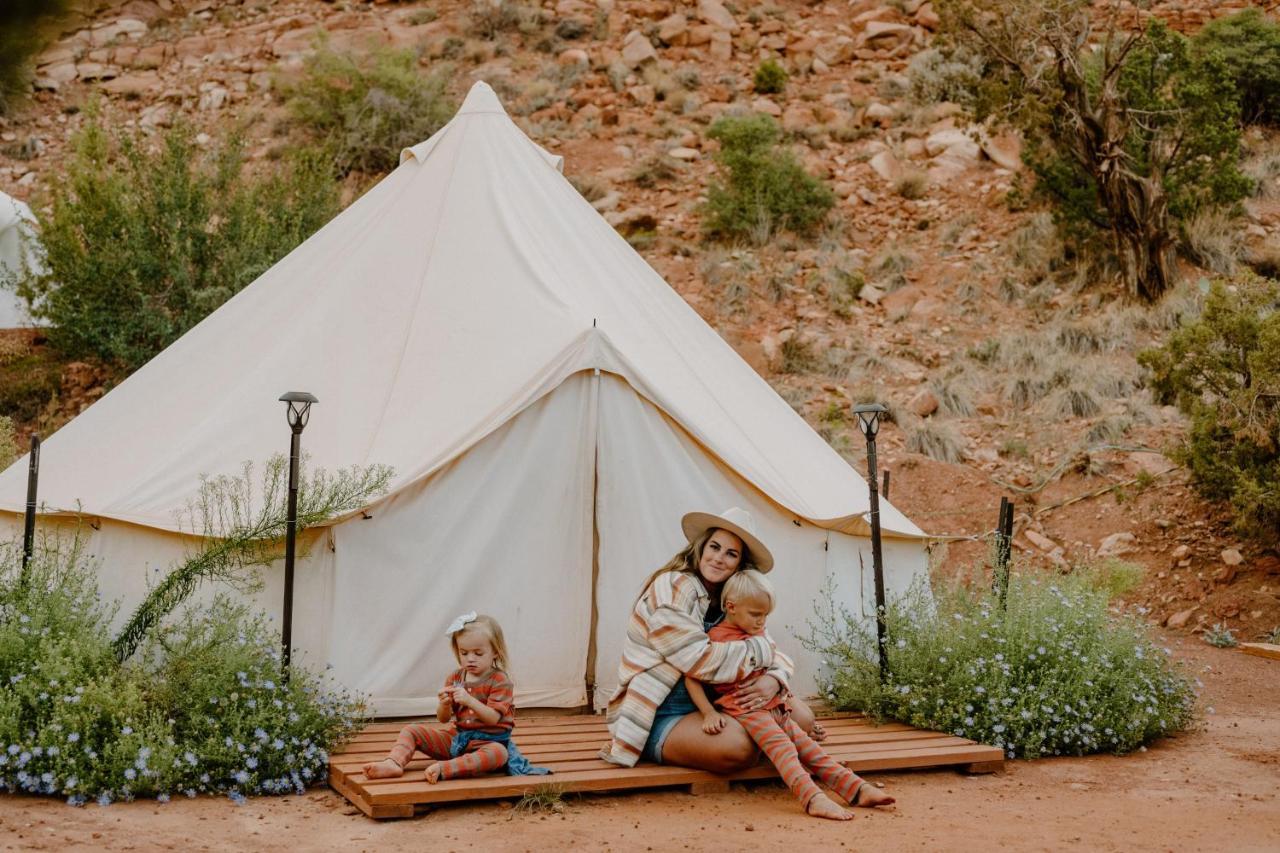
pixel 460 623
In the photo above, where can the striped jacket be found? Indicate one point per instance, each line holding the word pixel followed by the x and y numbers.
pixel 666 640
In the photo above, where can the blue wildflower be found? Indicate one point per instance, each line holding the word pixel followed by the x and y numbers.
pixel 130 773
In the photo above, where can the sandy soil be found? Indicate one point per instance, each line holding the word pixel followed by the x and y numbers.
pixel 1211 789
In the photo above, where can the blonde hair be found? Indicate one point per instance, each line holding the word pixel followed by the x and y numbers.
pixel 492 631
pixel 745 585
pixel 687 558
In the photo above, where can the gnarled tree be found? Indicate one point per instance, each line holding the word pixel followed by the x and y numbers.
pixel 1126 127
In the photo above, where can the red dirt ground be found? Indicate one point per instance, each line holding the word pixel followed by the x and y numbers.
pixel 1213 788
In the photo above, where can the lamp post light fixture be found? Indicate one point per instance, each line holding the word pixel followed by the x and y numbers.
pixel 869 415
pixel 298 413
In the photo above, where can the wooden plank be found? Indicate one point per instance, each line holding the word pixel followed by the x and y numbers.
pixel 1262 650
pixel 569 746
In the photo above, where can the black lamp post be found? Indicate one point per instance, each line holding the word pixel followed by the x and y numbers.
pixel 29 519
pixel 869 415
pixel 299 412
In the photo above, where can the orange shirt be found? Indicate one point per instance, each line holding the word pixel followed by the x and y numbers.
pixel 495 690
pixel 723 633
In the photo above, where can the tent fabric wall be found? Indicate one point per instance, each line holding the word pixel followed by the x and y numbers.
pixel 19 250
pixel 505 530
pixel 650 473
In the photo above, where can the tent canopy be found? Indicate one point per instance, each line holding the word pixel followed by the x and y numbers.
pixel 462 288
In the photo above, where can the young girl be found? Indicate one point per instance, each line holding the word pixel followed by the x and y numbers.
pixel 747 599
pixel 478 697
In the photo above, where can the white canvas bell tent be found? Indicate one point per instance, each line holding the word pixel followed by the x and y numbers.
pixel 551 409
pixel 18 252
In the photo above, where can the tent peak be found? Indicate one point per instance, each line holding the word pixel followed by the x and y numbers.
pixel 481 99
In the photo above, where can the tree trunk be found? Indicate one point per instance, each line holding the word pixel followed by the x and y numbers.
pixel 1141 231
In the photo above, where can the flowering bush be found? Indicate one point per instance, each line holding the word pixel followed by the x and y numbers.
pixel 201 709
pixel 1056 674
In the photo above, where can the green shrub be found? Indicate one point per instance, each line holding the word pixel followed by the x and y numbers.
pixel 368 108
pixel 27 384
pixel 24 27
pixel 203 711
pixel 770 78
pixel 1221 637
pixel 761 189
pixel 1249 43
pixel 141 245
pixel 1223 370
pixel 1055 674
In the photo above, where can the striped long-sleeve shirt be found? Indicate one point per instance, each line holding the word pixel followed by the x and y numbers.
pixel 665 641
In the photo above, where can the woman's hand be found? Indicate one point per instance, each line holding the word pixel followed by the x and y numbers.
pixel 755 693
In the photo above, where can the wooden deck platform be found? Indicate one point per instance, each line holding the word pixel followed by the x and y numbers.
pixel 568 745
pixel 1262 650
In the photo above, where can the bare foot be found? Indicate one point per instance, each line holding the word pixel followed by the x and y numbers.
pixel 869 796
pixel 384 769
pixel 432 773
pixel 823 806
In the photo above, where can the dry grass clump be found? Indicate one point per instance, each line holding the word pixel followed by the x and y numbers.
pixel 1072 366
pixel 937 440
pixel 1262 164
pixel 798 355
pixel 589 187
pixel 486 19
pixel 954 395
pixel 912 184
pixel 1036 247
pixel 8 443
pixel 1212 239
pixel 1075 401
pixel 657 168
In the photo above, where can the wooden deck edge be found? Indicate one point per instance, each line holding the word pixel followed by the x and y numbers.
pixel 1262 650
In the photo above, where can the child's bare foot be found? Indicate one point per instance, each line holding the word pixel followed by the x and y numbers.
pixel 384 769
pixel 432 773
pixel 869 796
pixel 823 806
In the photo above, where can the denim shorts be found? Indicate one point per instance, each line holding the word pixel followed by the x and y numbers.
pixel 675 707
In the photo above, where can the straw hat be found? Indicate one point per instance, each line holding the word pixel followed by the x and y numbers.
pixel 738 522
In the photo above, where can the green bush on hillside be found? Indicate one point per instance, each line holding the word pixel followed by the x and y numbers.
pixel 770 78
pixel 1223 370
pixel 1249 44
pixel 1057 673
pixel 366 109
pixel 761 188
pixel 142 244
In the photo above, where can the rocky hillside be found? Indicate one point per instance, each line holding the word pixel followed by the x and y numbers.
pixel 1009 369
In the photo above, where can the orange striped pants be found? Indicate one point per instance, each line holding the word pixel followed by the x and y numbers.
pixel 796 755
pixel 482 756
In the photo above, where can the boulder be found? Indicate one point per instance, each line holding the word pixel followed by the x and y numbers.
pixel 1117 544
pixel 1044 543
pixel 886 166
pixel 674 29
pixel 885 35
pixel 1005 150
pixel 637 51
pixel 766 106
pixel 133 85
pixel 834 51
pixel 715 14
pixel 924 403
pixel 124 28
pixel 952 141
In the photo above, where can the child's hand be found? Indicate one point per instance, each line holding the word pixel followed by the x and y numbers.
pixel 445 696
pixel 462 697
pixel 713 723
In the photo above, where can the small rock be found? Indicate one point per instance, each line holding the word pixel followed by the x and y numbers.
pixel 1232 557
pixel 871 294
pixel 1116 544
pixel 879 113
pixel 1004 150
pixel 1044 543
pixel 608 201
pixel 883 35
pixel 683 153
pixel 574 56
pixel 924 403
pixel 1181 618
pixel 1180 552
pixel 886 166
pixel 764 105
pixel 953 141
